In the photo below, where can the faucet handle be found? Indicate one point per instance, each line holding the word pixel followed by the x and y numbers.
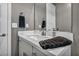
pixel 55 29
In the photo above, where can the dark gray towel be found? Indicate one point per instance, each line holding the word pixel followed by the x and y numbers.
pixel 21 21
pixel 55 42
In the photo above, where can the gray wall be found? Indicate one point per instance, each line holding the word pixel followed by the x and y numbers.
pixel 75 29
pixel 63 16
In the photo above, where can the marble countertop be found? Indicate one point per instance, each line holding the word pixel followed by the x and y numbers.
pixel 33 37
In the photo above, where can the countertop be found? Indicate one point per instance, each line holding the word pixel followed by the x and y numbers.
pixel 35 41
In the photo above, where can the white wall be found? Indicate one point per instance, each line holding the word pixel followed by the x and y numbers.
pixel 63 16
pixel 9 29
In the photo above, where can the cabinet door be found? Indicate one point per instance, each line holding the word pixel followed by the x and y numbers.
pixel 66 51
pixel 36 52
pixel 4 29
pixel 25 49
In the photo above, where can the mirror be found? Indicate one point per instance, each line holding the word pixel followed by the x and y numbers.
pixel 40 15
pixel 45 12
pixel 36 15
pixel 28 13
pixel 63 16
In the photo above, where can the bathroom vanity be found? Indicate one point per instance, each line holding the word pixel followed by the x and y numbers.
pixel 29 44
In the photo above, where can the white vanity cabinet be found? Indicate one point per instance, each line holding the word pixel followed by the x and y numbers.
pixel 25 49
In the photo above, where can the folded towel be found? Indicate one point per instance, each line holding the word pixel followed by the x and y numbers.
pixel 55 42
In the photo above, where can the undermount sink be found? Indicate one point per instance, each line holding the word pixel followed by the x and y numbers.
pixel 39 37
pixel 31 33
pixel 34 35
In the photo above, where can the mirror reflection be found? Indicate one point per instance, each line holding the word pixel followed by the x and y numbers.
pixel 32 16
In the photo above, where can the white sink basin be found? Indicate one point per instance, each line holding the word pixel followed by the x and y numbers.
pixel 39 37
pixel 34 35
pixel 30 33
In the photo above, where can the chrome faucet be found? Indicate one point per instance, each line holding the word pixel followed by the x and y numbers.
pixel 44 31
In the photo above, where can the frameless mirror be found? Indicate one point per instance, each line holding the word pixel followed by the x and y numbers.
pixel 40 15
pixel 36 15
pixel 28 13
pixel 63 16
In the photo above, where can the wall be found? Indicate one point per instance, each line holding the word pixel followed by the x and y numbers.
pixel 75 29
pixel 28 10
pixel 9 29
pixel 63 16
